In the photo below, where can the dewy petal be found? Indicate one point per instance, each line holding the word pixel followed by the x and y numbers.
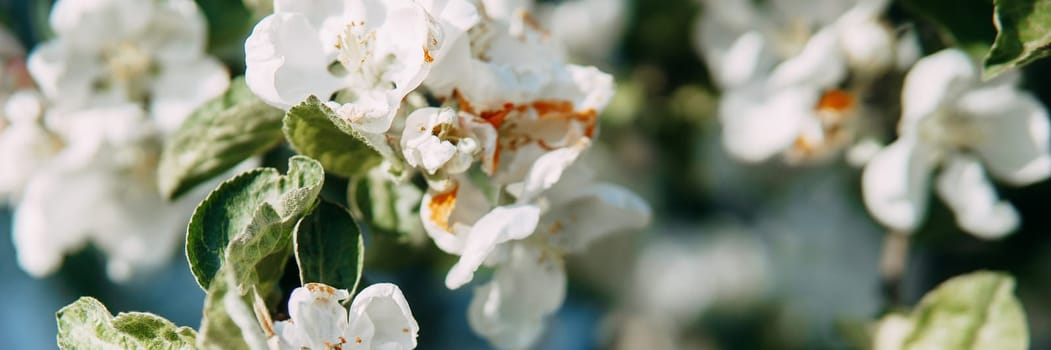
pixel 381 319
pixel 757 127
pixel 1013 129
pixel 511 310
pixel 501 225
pixel 598 210
pixel 895 184
pixel 318 321
pixel 964 187
pixel 285 62
pixel 179 90
pixel 934 82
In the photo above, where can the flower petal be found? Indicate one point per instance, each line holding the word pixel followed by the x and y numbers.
pixel 757 127
pixel 1014 141
pixel 317 321
pixel 510 311
pixel 501 225
pixel 381 319
pixel 598 210
pixel 285 62
pixel 895 184
pixel 933 82
pixel 179 90
pixel 963 185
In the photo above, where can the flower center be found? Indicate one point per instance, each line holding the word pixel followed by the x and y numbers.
pixel 356 46
pixel 127 62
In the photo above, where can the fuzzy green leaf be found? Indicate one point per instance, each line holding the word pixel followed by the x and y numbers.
pixel 216 137
pixel 315 131
pixel 329 248
pixel 249 218
pixel 973 311
pixel 387 207
pixel 229 321
pixel 1023 34
pixel 87 324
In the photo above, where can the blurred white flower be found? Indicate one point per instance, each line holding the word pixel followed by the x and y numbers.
pixel 368 53
pixel 784 73
pixel 953 120
pixel 379 318
pixel 99 189
pixel 110 52
pixel 26 145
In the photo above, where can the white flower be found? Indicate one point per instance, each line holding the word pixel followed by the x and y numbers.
pixel 379 318
pixel 441 138
pixel 589 29
pixel 951 119
pixel 371 52
pixel 784 74
pixel 100 188
pixel 557 210
pixel 26 145
pixel 114 51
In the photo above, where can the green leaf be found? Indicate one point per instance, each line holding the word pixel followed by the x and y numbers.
pixel 217 136
pixel 255 210
pixel 229 321
pixel 87 324
pixel 388 207
pixel 315 131
pixel 973 311
pixel 329 248
pixel 967 24
pixel 1023 34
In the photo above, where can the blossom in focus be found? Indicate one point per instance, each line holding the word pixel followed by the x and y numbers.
pixel 793 80
pixel 111 52
pixel 363 56
pixel 379 318
pixel 967 130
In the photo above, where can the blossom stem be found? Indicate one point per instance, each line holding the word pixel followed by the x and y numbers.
pixel 892 267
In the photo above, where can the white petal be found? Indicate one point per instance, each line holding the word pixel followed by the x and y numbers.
pixel 317 318
pixel 599 209
pixel 1014 133
pixel 61 75
pixel 933 82
pixel 381 318
pixel 90 25
pixel 757 127
pixel 447 216
pixel 511 310
pixel 965 189
pixel 547 170
pixel 177 32
pixel 179 90
pixel 819 65
pixel 501 225
pixel 743 61
pixel 868 44
pixel 895 184
pixel 284 61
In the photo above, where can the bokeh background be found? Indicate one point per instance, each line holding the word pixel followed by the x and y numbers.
pixel 737 257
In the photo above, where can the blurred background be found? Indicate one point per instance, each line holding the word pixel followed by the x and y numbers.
pixel 737 257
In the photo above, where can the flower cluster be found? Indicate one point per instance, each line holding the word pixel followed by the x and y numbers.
pixel 82 150
pixel 379 319
pixel 797 84
pixel 504 98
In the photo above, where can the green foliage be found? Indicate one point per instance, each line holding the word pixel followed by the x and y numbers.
pixel 87 324
pixel 1024 34
pixel 967 24
pixel 249 219
pixel 229 23
pixel 388 207
pixel 315 131
pixel 973 311
pixel 217 136
pixel 229 321
pixel 329 248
